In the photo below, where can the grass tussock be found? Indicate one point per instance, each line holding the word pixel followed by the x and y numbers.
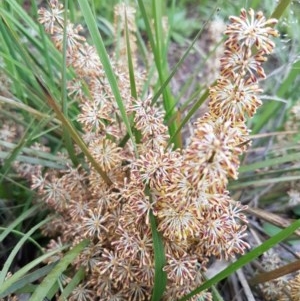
pixel 123 188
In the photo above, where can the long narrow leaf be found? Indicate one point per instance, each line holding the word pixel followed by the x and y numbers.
pixel 26 214
pixel 160 277
pixel 77 278
pixel 263 182
pixel 129 59
pixel 30 239
pixel 18 104
pixel 17 248
pixel 9 283
pixel 34 161
pixel 270 109
pixel 281 7
pixel 160 54
pixel 27 279
pixel 51 278
pixel 182 59
pixel 66 135
pixel 270 162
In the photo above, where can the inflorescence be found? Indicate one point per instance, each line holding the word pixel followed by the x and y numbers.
pixel 185 189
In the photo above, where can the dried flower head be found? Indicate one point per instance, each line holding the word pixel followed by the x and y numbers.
pixel 73 38
pixel 294 285
pixel 50 18
pixel 186 190
pixel 107 153
pixel 93 225
pixel 241 61
pixel 234 98
pixel 252 29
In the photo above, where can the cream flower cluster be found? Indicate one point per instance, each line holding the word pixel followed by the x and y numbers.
pixel 185 189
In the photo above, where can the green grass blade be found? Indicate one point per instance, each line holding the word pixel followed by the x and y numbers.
pixel 281 7
pixel 19 105
pixel 159 51
pixel 22 272
pixel 56 287
pixel 42 290
pixel 16 7
pixel 183 57
pixel 17 248
pixel 216 295
pixel 13 43
pixel 147 25
pixel 161 60
pixel 78 277
pixel 263 182
pixel 160 277
pixel 98 42
pixel 26 214
pixel 5 41
pixel 245 259
pixel 47 51
pixel 27 22
pixel 274 173
pixel 27 279
pixel 22 74
pixel 129 60
pixel 270 109
pixel 295 157
pixel 33 161
pixel 66 135
pixel 35 153
pixel 18 233
pixel 15 183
